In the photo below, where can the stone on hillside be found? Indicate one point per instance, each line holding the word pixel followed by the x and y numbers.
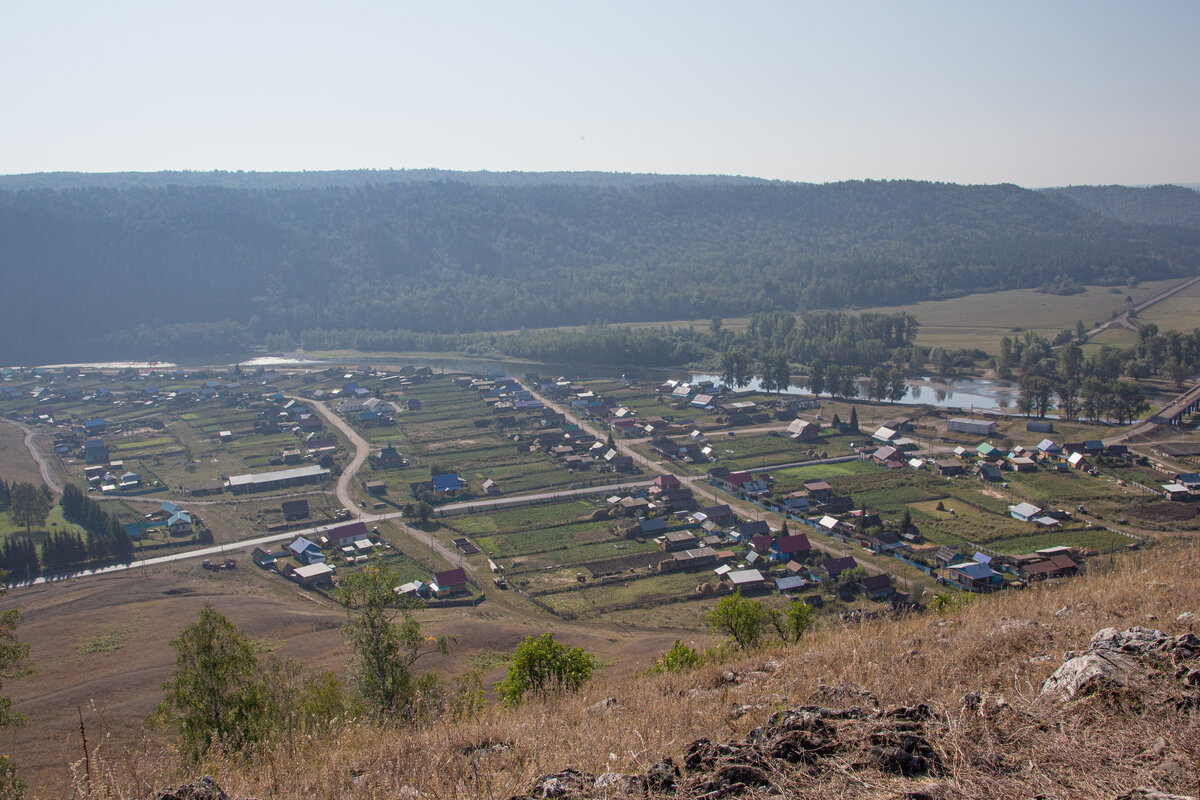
pixel 1089 671
pixel 200 789
pixel 1146 793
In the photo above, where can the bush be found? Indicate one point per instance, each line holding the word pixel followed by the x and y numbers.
pixel 677 659
pixel 544 667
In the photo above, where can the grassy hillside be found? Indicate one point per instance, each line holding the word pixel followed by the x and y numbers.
pixel 1002 741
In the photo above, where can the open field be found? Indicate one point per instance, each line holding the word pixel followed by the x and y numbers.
pixel 1180 311
pixel 982 320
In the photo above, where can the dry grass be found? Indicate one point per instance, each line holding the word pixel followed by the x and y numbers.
pixel 1016 746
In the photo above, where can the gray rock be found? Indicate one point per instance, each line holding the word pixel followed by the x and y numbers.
pixel 602 706
pixel 1132 640
pixel 1187 617
pixel 1147 793
pixel 1090 671
pixel 200 789
pixel 618 784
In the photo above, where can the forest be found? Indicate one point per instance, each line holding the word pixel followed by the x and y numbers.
pixel 189 272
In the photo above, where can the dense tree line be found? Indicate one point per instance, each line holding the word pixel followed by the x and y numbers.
pixel 1055 374
pixel 106 539
pixel 152 272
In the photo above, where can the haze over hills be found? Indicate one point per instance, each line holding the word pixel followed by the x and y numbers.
pixel 194 270
pixel 1152 205
pixel 322 179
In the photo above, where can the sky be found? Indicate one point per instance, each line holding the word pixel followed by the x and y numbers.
pixel 1034 93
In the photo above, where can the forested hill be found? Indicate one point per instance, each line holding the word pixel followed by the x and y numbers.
pixel 190 271
pixel 324 179
pixel 1151 205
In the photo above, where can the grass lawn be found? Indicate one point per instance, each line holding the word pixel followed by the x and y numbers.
pixel 792 478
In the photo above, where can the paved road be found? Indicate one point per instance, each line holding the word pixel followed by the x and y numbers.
pixel 49 476
pixel 1126 320
pixel 1163 417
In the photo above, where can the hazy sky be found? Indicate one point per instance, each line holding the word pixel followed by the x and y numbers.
pixel 1035 93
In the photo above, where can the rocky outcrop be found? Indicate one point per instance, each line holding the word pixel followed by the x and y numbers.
pixel 1124 659
pixel 801 742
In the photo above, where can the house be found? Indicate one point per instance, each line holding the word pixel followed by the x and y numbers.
pixel 750 529
pixel 950 468
pixel 886 454
pixel 987 451
pixel 447 483
pixel 95 451
pixel 818 490
pixel 721 514
pixel 1024 512
pixel 790 547
pixel 375 488
pixel 1022 464
pixel 180 523
pixel 832 567
pixel 877 587
pixel 389 458
pixel 1077 461
pixel 491 487
pixel 745 580
pixel 262 558
pixel 1176 491
pixel 1039 426
pixel 988 472
pixel 829 524
pixel 306 552
pixel 974 577
pixel 313 574
pixel 796 504
pixel 343 535
pixel 762 542
pixel 792 583
pixel 449 582
pixel 884 435
pixel 1054 566
pixel 673 540
pixel 887 542
pixel 803 430
pixel 699 557
pixel 667 481
pixel 294 509
pixel 1048 448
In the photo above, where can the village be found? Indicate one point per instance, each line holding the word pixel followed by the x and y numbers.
pixel 592 497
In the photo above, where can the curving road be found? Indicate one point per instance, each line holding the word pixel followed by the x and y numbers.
pixel 49 476
pixel 361 451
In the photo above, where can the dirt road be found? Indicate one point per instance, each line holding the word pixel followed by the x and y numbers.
pixel 361 451
pixel 45 465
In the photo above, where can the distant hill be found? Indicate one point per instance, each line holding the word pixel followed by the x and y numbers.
pixel 324 179
pixel 1151 205
pixel 185 271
